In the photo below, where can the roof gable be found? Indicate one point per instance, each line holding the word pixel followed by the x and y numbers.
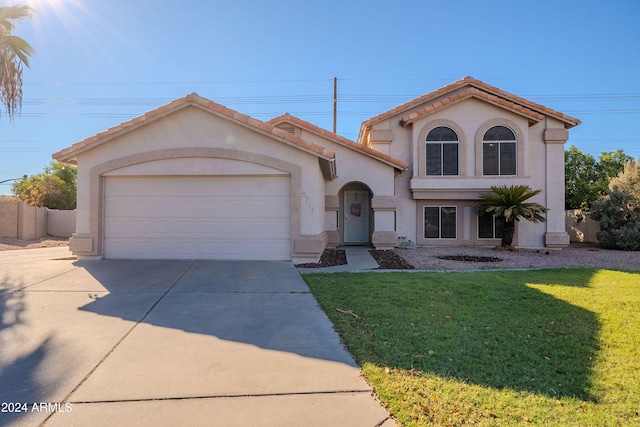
pixel 459 91
pixel 288 119
pixel 70 154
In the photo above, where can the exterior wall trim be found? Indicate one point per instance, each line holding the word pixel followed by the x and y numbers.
pixel 463 145
pixel 555 136
pixel 94 239
pixel 521 146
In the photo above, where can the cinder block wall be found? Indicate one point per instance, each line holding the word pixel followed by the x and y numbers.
pixel 32 222
pixel 583 231
pixel 19 221
pixel 9 219
pixel 61 223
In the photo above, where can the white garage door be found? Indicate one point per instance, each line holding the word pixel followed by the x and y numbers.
pixel 226 217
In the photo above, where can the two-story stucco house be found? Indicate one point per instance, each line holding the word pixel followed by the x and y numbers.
pixel 194 179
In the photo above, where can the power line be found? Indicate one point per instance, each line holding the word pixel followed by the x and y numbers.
pixel 311 98
pixel 170 83
pixel 75 115
pixel 355 79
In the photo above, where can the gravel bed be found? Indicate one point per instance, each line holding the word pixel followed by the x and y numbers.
pixel 390 260
pixel 427 258
pixel 329 258
pixel 7 244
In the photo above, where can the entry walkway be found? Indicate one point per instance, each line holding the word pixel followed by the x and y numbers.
pixel 358 259
pixel 166 343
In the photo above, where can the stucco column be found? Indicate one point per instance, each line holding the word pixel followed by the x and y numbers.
pixel 556 235
pixel 331 220
pixel 384 235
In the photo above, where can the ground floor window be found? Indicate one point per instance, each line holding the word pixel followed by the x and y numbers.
pixel 440 222
pixel 490 227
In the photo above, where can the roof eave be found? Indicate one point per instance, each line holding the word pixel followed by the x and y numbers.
pixel 287 118
pixel 475 85
pixel 71 153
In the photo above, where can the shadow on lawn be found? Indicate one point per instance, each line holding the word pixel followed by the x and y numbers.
pixel 502 334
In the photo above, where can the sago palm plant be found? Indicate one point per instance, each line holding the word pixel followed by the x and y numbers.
pixel 509 204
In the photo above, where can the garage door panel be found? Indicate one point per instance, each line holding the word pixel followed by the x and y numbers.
pixel 193 186
pixel 127 207
pixel 180 229
pixel 194 248
pixel 241 217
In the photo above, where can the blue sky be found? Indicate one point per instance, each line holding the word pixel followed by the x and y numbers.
pixel 100 62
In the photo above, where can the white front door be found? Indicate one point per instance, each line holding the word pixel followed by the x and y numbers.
pixel 356 217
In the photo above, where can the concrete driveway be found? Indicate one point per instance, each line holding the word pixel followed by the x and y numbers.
pixel 170 343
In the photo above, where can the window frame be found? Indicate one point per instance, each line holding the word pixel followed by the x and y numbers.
pixel 440 216
pixel 494 228
pixel 499 155
pixel 442 150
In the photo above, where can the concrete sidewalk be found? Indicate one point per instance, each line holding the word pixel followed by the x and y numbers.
pixel 171 343
pixel 358 259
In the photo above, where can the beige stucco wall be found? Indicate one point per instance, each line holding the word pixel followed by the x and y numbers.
pixel 354 168
pixel 193 141
pixel 581 230
pixel 61 223
pixel 9 219
pixel 540 165
pixel 19 221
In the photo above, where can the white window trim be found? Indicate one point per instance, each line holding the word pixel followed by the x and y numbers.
pixel 424 232
pixel 493 232
pixel 419 147
pixel 499 171
pixel 441 143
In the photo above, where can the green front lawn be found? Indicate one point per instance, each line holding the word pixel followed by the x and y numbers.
pixel 540 347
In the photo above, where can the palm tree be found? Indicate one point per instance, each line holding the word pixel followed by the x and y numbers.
pixel 14 52
pixel 508 204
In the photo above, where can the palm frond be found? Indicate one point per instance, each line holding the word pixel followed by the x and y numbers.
pixel 509 202
pixel 17 46
pixel 8 14
pixel 14 53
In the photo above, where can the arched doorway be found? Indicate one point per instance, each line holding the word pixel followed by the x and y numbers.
pixel 357 215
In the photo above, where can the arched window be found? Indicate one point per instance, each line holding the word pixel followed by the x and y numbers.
pixel 499 152
pixel 442 152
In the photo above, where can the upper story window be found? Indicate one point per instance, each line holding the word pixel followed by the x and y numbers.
pixel 499 151
pixel 442 152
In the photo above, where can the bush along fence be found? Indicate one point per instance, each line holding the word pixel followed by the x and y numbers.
pixel 19 221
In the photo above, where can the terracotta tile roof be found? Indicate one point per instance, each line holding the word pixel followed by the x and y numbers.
pixel 463 89
pixel 70 153
pixel 288 118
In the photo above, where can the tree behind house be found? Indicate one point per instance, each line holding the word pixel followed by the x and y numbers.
pixel 54 188
pixel 619 211
pixel 587 179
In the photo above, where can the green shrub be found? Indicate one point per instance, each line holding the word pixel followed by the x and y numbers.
pixel 619 211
